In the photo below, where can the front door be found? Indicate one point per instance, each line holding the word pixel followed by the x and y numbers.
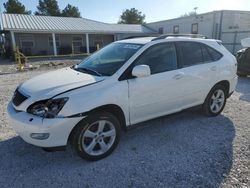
pixel 157 94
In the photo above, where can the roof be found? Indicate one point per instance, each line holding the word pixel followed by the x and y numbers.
pixel 32 23
pixel 145 40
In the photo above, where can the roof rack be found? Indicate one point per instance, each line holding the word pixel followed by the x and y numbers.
pixel 180 35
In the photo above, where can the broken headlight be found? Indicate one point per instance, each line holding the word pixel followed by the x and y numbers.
pixel 47 108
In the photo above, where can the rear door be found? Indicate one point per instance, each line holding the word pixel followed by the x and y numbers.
pixel 200 69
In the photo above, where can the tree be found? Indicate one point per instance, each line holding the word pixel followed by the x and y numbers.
pixel 15 7
pixel 71 11
pixel 48 8
pixel 192 13
pixel 132 16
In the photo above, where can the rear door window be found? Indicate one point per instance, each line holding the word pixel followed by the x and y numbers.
pixel 194 53
pixel 190 53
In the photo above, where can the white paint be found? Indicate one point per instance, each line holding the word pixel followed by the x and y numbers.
pixel 87 42
pixel 54 44
pixel 13 40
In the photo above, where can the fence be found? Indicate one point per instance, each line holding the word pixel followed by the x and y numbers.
pixel 233 39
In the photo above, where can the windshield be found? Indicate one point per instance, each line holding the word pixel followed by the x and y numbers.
pixel 109 59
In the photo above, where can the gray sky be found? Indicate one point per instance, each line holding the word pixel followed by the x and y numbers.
pixel 155 10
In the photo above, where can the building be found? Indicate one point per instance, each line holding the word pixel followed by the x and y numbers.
pixel 46 35
pixel 226 25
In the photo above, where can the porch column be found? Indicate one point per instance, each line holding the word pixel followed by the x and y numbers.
pixel 13 40
pixel 87 42
pixel 54 44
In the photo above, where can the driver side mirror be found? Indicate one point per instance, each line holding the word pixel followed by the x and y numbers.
pixel 140 71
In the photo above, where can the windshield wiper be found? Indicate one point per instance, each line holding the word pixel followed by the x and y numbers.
pixel 88 70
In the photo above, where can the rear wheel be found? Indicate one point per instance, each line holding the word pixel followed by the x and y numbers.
pixel 215 101
pixel 97 136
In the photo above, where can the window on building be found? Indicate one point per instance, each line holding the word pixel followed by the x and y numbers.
pixel 51 41
pixel 161 30
pixel 98 40
pixel 194 29
pixel 26 41
pixel 176 29
pixel 77 41
pixel 160 58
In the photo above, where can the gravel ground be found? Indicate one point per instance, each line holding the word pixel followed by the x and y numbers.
pixel 181 150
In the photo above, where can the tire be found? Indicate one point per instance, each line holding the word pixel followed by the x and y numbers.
pixel 96 137
pixel 215 101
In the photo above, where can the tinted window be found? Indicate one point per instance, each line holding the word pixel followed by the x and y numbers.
pixel 214 54
pixel 191 53
pixel 206 56
pixel 159 58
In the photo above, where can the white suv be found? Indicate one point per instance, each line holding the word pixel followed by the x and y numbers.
pixel 124 83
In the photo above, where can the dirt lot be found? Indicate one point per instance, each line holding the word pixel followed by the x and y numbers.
pixel 181 150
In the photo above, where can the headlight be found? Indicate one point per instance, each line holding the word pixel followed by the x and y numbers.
pixel 47 108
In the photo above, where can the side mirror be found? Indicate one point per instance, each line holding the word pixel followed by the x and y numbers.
pixel 141 71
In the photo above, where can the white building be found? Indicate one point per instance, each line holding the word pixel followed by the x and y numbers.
pixel 226 25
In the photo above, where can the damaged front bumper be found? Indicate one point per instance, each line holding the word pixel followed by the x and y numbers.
pixel 42 132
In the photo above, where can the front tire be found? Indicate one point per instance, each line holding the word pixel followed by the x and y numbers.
pixel 215 101
pixel 97 136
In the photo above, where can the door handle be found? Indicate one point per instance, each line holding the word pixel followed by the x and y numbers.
pixel 213 68
pixel 178 76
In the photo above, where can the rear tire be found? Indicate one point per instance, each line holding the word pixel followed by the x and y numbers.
pixel 96 137
pixel 215 101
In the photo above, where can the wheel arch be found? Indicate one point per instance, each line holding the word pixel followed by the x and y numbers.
pixel 226 84
pixel 111 108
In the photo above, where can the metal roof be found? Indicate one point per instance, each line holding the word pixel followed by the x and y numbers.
pixel 32 23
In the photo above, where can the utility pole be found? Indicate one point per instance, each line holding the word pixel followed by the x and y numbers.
pixel 195 10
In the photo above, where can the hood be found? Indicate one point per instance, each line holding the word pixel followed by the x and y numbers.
pixel 55 82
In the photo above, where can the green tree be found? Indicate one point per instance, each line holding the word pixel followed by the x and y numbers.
pixel 192 13
pixel 15 7
pixel 132 16
pixel 48 8
pixel 71 11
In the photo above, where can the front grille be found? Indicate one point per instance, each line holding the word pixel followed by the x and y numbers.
pixel 18 98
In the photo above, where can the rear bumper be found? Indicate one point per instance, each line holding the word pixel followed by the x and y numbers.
pixel 25 124
pixel 233 83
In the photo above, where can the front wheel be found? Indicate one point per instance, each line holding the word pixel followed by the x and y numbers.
pixel 97 136
pixel 215 101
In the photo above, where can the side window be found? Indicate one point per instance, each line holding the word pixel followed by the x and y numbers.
pixel 191 53
pixel 206 56
pixel 160 58
pixel 214 54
